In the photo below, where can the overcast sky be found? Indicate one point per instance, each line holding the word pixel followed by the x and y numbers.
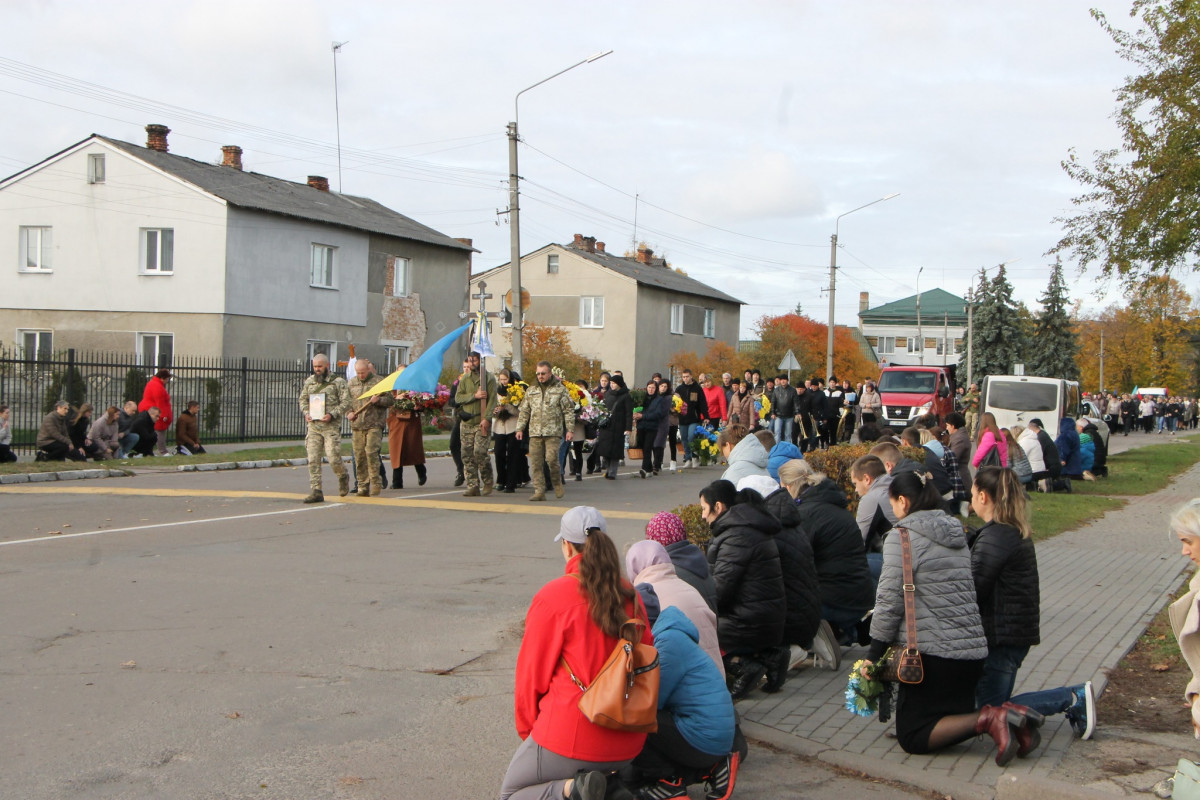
pixel 744 129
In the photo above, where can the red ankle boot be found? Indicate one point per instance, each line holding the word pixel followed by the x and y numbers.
pixel 1001 724
pixel 1029 735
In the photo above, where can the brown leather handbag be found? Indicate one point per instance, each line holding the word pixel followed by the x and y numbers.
pixel 624 694
pixel 905 665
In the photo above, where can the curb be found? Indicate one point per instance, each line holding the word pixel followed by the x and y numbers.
pixel 68 475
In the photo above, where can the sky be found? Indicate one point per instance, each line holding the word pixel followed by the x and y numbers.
pixel 726 137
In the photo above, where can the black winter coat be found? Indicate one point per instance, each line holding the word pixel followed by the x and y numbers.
pixel 1006 585
pixel 837 546
pixel 800 582
pixel 751 600
pixel 610 440
pixel 1050 454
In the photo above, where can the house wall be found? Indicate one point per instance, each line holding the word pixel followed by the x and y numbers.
pixel 931 332
pixel 656 343
pixel 194 334
pixel 269 260
pixel 258 337
pixel 96 234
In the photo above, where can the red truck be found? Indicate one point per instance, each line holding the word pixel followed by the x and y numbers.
pixel 910 392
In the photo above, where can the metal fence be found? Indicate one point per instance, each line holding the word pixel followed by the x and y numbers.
pixel 240 399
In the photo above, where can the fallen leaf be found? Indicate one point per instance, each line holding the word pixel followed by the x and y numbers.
pixel 1160 667
pixel 54 533
pixel 351 780
pixel 66 526
pixel 234 715
pixel 129 665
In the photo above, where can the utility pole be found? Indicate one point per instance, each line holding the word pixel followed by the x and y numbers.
pixel 1102 359
pixel 920 333
pixel 970 335
pixel 832 294
pixel 514 248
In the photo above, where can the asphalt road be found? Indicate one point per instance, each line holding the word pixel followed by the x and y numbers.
pixel 204 635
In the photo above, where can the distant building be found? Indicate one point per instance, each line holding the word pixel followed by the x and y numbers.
pixel 628 313
pixel 901 337
pixel 129 248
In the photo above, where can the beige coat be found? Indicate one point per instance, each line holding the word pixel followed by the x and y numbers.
pixel 1185 622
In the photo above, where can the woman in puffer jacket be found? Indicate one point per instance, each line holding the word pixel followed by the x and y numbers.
pixel 939 711
pixel 800 582
pixel 751 599
pixel 745 453
pixel 1028 440
pixel 987 439
pixel 1005 569
pixel 1067 443
pixel 691 566
pixel 1087 451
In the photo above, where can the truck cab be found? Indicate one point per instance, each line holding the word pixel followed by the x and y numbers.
pixel 911 392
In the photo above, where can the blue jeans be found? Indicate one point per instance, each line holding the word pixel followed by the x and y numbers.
pixel 686 431
pixel 1171 424
pixel 1000 676
pixel 782 428
pixel 127 444
pixel 844 622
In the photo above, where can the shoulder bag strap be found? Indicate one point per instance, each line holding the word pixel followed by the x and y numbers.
pixel 910 591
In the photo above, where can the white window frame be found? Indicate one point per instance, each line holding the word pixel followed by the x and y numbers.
pixel 398 355
pixel 552 264
pixel 401 277
pixel 40 352
pixel 154 247
pixel 95 173
pixel 887 346
pixel 145 338
pixel 943 343
pixel 327 346
pixel 915 344
pixel 43 237
pixel 710 323
pixel 328 269
pixel 677 318
pixel 591 312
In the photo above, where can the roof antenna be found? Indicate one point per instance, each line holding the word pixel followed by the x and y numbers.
pixel 337 46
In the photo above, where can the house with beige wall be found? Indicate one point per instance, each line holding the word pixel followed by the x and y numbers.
pixel 925 328
pixel 628 313
pixel 120 247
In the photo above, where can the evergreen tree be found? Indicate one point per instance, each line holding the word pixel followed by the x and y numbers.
pixel 1055 348
pixel 999 335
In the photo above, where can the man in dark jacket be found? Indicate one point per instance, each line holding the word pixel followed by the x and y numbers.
pixel 783 409
pixel 819 409
pixel 696 409
pixel 1049 453
pixel 54 436
pixel 142 424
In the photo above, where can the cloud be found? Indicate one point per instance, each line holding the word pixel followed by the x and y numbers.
pixel 761 185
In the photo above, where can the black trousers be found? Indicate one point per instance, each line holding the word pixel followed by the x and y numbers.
pixel 667 754
pixel 456 446
pixel 6 454
pixel 510 461
pixel 57 451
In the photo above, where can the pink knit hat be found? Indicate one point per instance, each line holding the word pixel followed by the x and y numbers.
pixel 665 528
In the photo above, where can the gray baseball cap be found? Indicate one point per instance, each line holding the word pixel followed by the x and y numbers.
pixel 577 522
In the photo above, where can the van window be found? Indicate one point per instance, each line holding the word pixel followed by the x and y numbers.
pixel 1013 396
pixel 1071 409
pixel 914 382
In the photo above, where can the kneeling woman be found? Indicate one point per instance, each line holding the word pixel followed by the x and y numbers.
pixel 574 618
pixel 939 711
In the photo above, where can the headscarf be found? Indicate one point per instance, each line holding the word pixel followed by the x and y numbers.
pixel 665 528
pixel 644 554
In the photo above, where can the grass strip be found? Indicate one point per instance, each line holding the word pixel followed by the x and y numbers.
pixel 1144 470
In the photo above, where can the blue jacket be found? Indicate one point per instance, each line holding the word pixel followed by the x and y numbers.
pixel 780 454
pixel 691 687
pixel 1087 452
pixel 1068 447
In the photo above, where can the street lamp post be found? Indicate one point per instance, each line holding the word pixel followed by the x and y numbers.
pixel 833 243
pixel 514 210
pixel 920 333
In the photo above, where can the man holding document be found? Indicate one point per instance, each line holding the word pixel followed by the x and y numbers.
pixel 323 400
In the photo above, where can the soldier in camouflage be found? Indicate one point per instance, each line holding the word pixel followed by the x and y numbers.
pixel 324 433
pixel 475 406
pixel 546 413
pixel 366 427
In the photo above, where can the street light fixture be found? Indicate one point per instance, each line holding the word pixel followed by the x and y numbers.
pixel 833 278
pixel 514 210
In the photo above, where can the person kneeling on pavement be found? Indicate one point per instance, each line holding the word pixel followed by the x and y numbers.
pixel 54 436
pixel 751 599
pixel 187 431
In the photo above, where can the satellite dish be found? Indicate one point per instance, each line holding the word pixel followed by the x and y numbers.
pixel 525 298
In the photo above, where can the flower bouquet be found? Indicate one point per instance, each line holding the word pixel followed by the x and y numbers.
pixel 416 402
pixel 677 404
pixel 866 696
pixel 704 445
pixel 510 397
pixel 762 406
pixel 578 394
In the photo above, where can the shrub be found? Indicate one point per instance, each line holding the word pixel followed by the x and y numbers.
pixel 58 389
pixel 836 462
pixel 135 384
pixel 212 411
pixel 698 532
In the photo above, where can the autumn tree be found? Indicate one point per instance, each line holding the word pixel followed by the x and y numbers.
pixel 1141 206
pixel 807 339
pixel 1054 348
pixel 549 343
pixel 718 358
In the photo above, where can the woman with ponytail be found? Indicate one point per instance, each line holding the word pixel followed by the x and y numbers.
pixel 1004 565
pixel 575 618
pixel 940 710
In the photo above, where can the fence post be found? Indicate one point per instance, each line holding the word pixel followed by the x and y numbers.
pixel 245 380
pixel 70 384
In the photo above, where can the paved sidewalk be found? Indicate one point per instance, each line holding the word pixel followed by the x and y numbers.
pixel 1100 587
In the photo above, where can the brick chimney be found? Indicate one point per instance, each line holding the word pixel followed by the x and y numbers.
pixel 600 247
pixel 864 301
pixel 644 254
pixel 156 137
pixel 231 156
pixel 589 243
pixel 578 243
pixel 319 182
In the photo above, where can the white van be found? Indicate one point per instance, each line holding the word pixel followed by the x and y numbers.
pixel 1016 399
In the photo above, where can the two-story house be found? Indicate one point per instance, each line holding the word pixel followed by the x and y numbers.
pixel 628 313
pixel 921 329
pixel 120 247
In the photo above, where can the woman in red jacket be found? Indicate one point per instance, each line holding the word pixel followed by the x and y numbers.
pixel 155 396
pixel 574 618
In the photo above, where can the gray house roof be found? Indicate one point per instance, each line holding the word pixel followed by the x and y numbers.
pixel 256 192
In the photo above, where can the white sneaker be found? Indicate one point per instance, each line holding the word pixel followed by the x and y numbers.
pixel 827 653
pixel 672 466
pixel 799 654
pixel 687 464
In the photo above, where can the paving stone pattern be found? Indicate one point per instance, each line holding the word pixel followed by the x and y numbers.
pixel 1100 587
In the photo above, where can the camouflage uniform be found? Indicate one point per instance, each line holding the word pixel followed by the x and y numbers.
pixel 546 412
pixel 476 463
pixel 326 435
pixel 366 432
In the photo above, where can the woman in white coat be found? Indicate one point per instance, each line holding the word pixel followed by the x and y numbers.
pixel 1185 612
pixel 1033 451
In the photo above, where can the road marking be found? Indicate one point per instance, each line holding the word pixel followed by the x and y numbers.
pixel 476 505
pixel 60 536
